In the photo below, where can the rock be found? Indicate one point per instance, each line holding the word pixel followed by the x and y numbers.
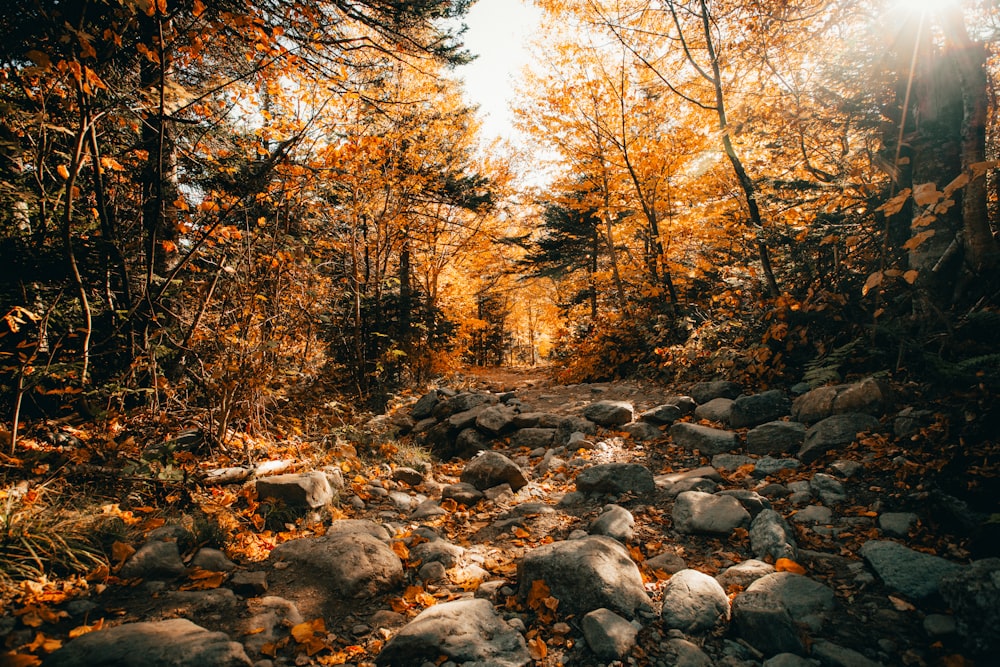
pixel 973 593
pixel 915 574
pixel 616 522
pixel 268 623
pixel 403 501
pixel 353 564
pixel 835 433
pixel 731 462
pixel 428 509
pixel 699 512
pixel 709 441
pixel 770 537
pixel 682 653
pixel 544 420
pixel 408 476
pixel 790 660
pixel 495 419
pixel 743 574
pixel 897 524
pixel 693 602
pixel 424 407
pixel 829 489
pixel 465 631
pixel 771 466
pixel 688 484
pixel 752 502
pixel 610 413
pixel 939 625
pixel 356 526
pixel 532 438
pixel 463 402
pixel 670 411
pixel 703 392
pixel 212 560
pixel 586 574
pixel 491 469
pixel 437 551
pixel 833 655
pixel 174 643
pixel 763 621
pixel 814 405
pixel 308 489
pixel 468 442
pixel 715 410
pixel 705 472
pixel 846 469
pixel 608 635
pixel 433 571
pixel 156 559
pixel 871 396
pixel 249 584
pixel 666 562
pixel 814 515
pixel 749 411
pixel 461 421
pixel 642 431
pixel 462 493
pixel 616 478
pixel 570 425
pixel 776 437
pixel 800 595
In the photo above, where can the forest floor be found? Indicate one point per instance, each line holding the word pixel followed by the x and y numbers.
pixel 167 497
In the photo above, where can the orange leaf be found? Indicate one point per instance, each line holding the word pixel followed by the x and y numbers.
pixel 537 648
pixel 63 172
pixel 198 9
pixel 84 629
pixel 44 644
pixel 400 549
pixel 19 660
pixel 520 532
pixel 789 565
pixel 120 551
pixel 539 591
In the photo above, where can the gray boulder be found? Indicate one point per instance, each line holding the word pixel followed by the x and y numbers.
pixel 616 478
pixel 693 602
pixel 355 565
pixel 715 410
pixel 768 465
pixel 156 559
pixel 699 512
pixel 752 502
pixel 897 524
pixel 462 493
pixel 915 574
pixel 174 643
pixel 642 431
pixel 533 438
pixel 709 441
pixel 586 574
pixel 616 522
pixel 834 655
pixel 776 437
pixel 759 408
pixel 424 407
pixel 703 392
pixel 871 396
pixel 356 526
pixel 465 631
pixel 610 413
pixel 973 593
pixel 491 469
pixel 763 621
pixel 608 635
pixel 771 537
pixel 743 574
pixel 495 418
pixel 799 594
pixel 834 433
pixel 307 489
pixel 670 411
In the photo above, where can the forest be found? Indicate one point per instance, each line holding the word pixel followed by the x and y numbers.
pixel 258 225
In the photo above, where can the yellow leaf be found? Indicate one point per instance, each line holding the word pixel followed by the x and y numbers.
pixel 520 532
pixel 911 276
pixel 926 194
pixel 537 648
pixel 788 565
pixel 917 239
pixel 400 549
pixel 539 591
pixel 44 644
pixel 874 280
pixel 303 632
pixel 63 172
pixel 84 629
pixel 960 181
pixel 895 205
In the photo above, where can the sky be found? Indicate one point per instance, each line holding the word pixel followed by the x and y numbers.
pixel 498 34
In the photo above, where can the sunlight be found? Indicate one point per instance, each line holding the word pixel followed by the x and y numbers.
pixel 923 7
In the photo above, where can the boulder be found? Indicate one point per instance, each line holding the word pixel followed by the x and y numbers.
pixel 491 469
pixel 307 489
pixel 464 631
pixel 915 574
pixel 156 559
pixel 586 574
pixel 834 433
pixel 703 392
pixel 693 602
pixel 352 564
pixel 776 437
pixel 762 620
pixel 173 643
pixel 461 403
pixel 533 438
pixel 616 478
pixel 973 593
pixel 743 574
pixel 800 595
pixel 424 407
pixel 462 493
pixel 699 512
pixel 268 622
pixel 670 411
pixel 616 522
pixel 715 410
pixel 408 476
pixel 355 526
pixel 834 655
pixel 756 409
pixel 642 431
pixel 709 441
pixel 771 537
pixel 768 465
pixel 871 396
pixel 828 488
pixel 495 419
pixel 536 420
pixel 752 502
pixel 608 635
pixel 897 524
pixel 610 413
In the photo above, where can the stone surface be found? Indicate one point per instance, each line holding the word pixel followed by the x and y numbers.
pixel 465 631
pixel 834 655
pixel 974 596
pixel 756 409
pixel 616 522
pixel 213 560
pixel 743 574
pixel 699 512
pixel 827 488
pixel 408 476
pixel 762 620
pixel 693 602
pixel 616 478
pixel 610 413
pixel 768 465
pixel 813 515
pixel 491 469
pixel 608 635
pixel 353 564
pixel 752 502
pixel 800 595
pixel 586 574
pixel 462 493
pixel 715 410
pixel 424 407
pixel 915 574
pixel 495 419
pixel 771 537
pixel 776 437
pixel 269 620
pixel 707 440
pixel 174 643
pixel 354 526
pixel 897 524
pixel 531 438
pixel 249 584
pixel 834 433
pixel 307 489
pixel 642 431
pixel 666 562
pixel 790 660
pixel 670 411
pixel 156 559
pixel 703 392
pixel 437 551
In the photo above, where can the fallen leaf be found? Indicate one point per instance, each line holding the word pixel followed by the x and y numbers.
pixel 400 549
pixel 788 565
pixel 19 660
pixel 537 648
pixel 900 604
pixel 81 630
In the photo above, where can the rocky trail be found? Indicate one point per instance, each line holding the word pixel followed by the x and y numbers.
pixel 595 524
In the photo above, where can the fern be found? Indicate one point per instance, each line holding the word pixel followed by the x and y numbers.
pixel 826 369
